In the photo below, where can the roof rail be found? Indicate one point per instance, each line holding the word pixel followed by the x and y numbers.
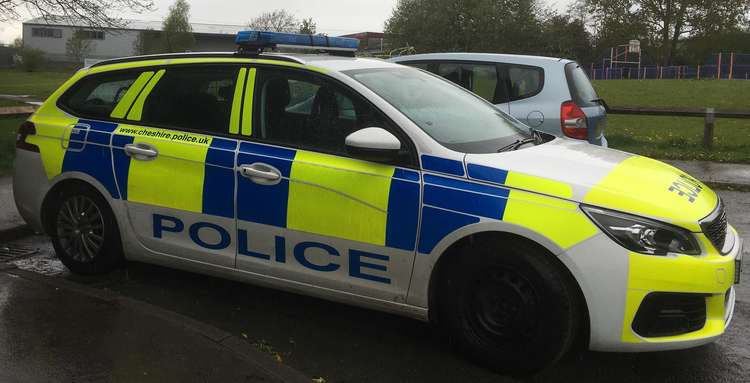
pixel 166 56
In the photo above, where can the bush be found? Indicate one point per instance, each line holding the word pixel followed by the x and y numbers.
pixel 32 59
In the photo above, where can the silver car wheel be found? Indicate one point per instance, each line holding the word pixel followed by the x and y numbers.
pixel 80 228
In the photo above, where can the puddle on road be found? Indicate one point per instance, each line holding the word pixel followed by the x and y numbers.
pixel 44 261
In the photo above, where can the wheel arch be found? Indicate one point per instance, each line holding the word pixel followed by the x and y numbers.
pixel 474 235
pixel 70 180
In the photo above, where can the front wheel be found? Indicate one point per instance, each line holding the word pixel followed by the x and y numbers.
pixel 84 232
pixel 508 305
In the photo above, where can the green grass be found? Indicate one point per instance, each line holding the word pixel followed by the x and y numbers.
pixel 727 95
pixel 679 138
pixel 8 129
pixel 38 84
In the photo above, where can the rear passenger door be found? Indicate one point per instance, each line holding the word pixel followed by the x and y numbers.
pixel 174 169
pixel 524 83
pixel 309 212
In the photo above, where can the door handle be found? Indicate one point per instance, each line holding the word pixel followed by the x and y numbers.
pixel 261 173
pixel 141 151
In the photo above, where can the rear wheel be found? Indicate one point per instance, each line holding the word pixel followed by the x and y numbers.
pixel 508 305
pixel 84 231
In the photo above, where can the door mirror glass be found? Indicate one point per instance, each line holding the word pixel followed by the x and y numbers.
pixel 373 144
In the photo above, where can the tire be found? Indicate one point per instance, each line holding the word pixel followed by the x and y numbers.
pixel 84 231
pixel 508 305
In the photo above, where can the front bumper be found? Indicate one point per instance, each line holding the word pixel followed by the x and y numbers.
pixel 615 283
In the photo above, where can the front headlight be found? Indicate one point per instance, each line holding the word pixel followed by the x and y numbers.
pixel 643 235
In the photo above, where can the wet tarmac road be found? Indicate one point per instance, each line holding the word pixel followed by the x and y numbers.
pixel 347 344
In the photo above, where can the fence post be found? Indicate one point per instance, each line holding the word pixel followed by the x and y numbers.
pixel 718 68
pixel 708 128
pixel 731 65
pixel 699 72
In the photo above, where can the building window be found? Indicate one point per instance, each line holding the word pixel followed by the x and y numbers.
pixel 90 35
pixel 47 33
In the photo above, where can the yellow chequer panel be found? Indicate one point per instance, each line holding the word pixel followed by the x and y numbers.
pixel 641 185
pixel 174 179
pixel 339 197
pixel 560 221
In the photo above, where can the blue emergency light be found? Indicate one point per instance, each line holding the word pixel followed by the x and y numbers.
pixel 259 40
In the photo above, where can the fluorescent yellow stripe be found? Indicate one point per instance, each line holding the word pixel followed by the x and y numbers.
pixel 559 221
pixel 247 108
pixel 174 179
pixel 137 110
pixel 146 63
pixel 130 95
pixel 339 197
pixel 234 120
pixel 539 185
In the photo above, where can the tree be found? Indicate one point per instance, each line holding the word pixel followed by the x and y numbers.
pixel 78 46
pixel 147 42
pixel 565 36
pixel 664 23
pixel 308 26
pixel 177 33
pixel 94 13
pixel 279 20
pixel 510 26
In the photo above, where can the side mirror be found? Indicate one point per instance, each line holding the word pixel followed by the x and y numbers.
pixel 373 144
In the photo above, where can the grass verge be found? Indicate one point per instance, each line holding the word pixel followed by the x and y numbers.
pixel 724 95
pixel 8 130
pixel 38 84
pixel 679 138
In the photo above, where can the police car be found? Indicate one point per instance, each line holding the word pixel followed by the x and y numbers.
pixel 379 185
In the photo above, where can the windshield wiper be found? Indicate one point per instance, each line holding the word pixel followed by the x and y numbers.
pixel 535 138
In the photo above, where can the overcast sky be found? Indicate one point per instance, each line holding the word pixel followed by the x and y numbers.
pixel 334 17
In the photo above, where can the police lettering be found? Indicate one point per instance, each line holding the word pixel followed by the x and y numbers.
pixel 361 263
pixel 686 186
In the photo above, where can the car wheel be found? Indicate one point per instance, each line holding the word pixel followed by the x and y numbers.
pixel 84 232
pixel 509 305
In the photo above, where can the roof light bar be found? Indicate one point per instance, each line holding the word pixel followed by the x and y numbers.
pixel 259 40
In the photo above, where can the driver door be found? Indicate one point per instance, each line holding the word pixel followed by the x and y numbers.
pixel 328 220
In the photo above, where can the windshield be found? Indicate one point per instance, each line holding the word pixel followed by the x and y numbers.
pixel 456 118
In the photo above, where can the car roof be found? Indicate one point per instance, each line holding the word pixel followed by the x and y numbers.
pixel 322 61
pixel 492 57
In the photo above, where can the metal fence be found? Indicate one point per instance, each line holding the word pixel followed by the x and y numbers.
pixel 730 66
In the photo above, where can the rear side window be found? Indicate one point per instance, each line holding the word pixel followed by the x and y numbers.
pixel 482 79
pixel 195 98
pixel 581 90
pixel 525 81
pixel 96 96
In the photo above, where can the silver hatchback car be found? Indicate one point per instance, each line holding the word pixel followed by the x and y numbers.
pixel 552 95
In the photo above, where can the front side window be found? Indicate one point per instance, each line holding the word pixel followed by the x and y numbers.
pixel 308 111
pixel 454 117
pixel 525 81
pixel 194 98
pixel 96 96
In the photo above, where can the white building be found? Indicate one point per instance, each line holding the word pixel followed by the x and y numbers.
pixel 51 35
